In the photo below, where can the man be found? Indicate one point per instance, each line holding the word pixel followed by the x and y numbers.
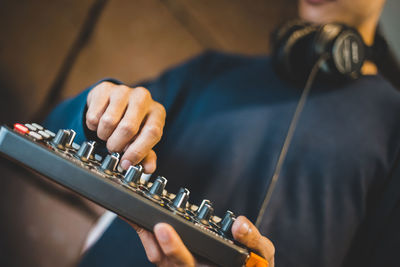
pixel 227 117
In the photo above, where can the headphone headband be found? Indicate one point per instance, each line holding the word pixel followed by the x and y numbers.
pixel 297 45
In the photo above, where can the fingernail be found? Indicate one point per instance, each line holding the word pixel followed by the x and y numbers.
pixel 125 164
pixel 244 229
pixel 163 234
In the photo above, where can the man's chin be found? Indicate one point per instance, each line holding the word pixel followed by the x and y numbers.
pixel 317 2
pixel 323 11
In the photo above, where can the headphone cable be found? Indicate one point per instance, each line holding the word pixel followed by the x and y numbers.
pixel 289 136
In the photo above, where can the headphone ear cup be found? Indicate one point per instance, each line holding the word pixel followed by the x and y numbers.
pixel 297 46
pixel 282 32
pixel 291 50
pixel 346 49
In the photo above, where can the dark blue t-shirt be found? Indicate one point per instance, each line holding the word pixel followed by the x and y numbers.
pixel 227 117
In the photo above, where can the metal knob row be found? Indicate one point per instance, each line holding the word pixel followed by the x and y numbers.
pixel 109 164
pixel 181 199
pixel 86 150
pixel 133 174
pixel 64 138
pixel 157 187
pixel 205 212
pixel 226 224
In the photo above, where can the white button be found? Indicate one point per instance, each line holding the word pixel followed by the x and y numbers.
pixel 194 208
pixel 40 127
pixel 98 157
pixel 50 133
pixel 119 169
pixel 216 219
pixel 30 127
pixel 35 135
pixel 44 134
pixel 75 146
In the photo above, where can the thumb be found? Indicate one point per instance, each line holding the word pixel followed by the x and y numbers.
pixel 247 234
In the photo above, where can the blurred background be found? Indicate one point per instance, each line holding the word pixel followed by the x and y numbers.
pixel 51 50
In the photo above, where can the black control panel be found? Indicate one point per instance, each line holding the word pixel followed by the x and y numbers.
pixel 77 167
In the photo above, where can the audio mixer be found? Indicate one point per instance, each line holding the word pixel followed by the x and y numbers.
pixel 79 168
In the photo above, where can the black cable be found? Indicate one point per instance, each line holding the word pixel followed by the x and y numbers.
pixel 289 137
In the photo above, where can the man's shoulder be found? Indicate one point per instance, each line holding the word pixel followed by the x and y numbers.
pixel 204 70
pixel 211 63
pixel 221 56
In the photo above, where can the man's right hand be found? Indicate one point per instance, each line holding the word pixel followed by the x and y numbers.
pixel 129 120
pixel 164 247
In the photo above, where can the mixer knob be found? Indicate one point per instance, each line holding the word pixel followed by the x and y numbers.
pixel 205 201
pixel 110 163
pixel 205 212
pixel 61 138
pixel 157 187
pixel 226 224
pixel 133 174
pixel 70 138
pixel 179 202
pixel 86 150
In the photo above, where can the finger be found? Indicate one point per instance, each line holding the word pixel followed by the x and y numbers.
pixel 114 112
pixel 149 163
pixel 247 234
pixel 97 102
pixel 128 127
pixel 150 244
pixel 172 246
pixel 148 136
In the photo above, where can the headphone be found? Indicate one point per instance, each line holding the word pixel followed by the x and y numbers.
pixel 297 46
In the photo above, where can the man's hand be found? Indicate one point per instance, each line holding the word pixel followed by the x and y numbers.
pixel 165 248
pixel 129 120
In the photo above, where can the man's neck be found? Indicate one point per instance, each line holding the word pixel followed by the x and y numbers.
pixel 369 68
pixel 367 31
